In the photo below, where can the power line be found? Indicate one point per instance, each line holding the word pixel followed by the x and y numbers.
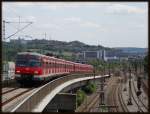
pixel 19 30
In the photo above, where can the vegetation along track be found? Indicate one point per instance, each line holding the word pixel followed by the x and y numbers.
pixel 92 101
pixel 95 99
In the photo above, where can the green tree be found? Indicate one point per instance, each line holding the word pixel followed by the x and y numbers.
pixel 80 97
pixel 89 88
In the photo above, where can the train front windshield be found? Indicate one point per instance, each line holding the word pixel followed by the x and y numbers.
pixel 27 61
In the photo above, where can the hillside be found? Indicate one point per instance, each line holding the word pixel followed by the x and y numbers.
pixel 47 46
pixel 133 49
pixel 66 50
pixel 53 45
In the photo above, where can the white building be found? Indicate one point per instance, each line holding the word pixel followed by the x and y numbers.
pixel 8 71
pixel 94 54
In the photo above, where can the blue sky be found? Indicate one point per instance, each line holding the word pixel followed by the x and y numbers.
pixel 111 24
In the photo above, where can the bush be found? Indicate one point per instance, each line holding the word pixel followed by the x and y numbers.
pixel 89 88
pixel 80 97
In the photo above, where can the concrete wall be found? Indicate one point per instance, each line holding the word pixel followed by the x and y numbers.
pixel 62 102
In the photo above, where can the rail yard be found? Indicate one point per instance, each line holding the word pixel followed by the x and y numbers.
pixel 74 57
pixel 115 97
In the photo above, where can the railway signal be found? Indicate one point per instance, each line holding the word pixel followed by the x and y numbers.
pixel 139 86
pixel 129 99
pixel 139 83
pixel 138 93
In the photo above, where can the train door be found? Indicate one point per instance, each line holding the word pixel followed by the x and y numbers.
pixel 57 66
pixel 60 66
pixel 53 66
pixel 50 66
pixel 44 67
pixel 65 66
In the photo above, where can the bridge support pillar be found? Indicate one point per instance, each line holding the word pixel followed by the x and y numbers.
pixel 62 102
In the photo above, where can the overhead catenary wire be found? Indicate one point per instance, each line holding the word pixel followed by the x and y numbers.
pixel 19 30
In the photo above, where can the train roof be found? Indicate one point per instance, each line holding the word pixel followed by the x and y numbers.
pixel 41 55
pixel 30 53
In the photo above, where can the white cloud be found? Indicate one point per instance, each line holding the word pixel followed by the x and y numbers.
pixel 89 24
pixel 56 5
pixel 73 19
pixel 124 8
pixel 19 4
pixel 110 7
pixel 82 23
pixel 49 26
pixel 31 18
pixel 22 19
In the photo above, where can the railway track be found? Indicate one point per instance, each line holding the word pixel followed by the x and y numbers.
pixel 9 90
pixel 92 101
pixel 88 103
pixel 117 98
pixel 9 93
pixel 135 90
pixel 113 98
pixel 120 99
pixel 13 96
pixel 145 86
pixel 133 96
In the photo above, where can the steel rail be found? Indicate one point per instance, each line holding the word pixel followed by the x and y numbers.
pixel 37 96
pixel 9 91
pixel 121 101
pixel 136 101
pixel 139 98
pixel 14 97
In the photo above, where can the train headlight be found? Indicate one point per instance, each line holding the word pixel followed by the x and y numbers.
pixel 36 72
pixel 18 71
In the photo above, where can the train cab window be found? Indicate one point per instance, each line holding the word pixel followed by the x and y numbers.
pixel 30 63
pixel 34 63
pixel 21 63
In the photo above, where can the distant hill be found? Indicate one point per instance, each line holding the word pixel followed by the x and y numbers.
pixel 67 50
pixel 47 46
pixel 73 46
pixel 132 49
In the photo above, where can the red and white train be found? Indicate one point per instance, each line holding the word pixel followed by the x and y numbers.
pixel 34 66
